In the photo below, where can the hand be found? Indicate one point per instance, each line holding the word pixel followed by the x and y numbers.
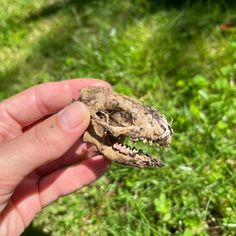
pixel 41 155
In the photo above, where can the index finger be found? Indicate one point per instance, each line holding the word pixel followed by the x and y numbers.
pixel 35 103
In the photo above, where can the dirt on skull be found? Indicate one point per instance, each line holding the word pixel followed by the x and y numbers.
pixel 115 117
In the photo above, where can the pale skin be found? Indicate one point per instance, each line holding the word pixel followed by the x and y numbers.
pixel 42 156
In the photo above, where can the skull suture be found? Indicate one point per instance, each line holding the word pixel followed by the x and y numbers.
pixel 115 117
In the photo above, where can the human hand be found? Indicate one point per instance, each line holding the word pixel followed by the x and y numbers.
pixel 41 155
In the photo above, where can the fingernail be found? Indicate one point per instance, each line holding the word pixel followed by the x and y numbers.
pixel 73 116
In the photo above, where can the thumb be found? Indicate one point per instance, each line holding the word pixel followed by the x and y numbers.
pixel 43 143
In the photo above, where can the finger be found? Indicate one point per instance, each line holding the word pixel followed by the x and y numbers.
pixel 65 181
pixel 42 144
pixel 34 103
pixel 55 185
pixel 39 194
pixel 78 152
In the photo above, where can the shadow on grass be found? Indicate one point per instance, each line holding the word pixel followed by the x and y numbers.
pixel 54 8
pixel 7 81
pixel 47 48
pixel 31 230
pixel 187 3
pixel 188 32
pixel 59 44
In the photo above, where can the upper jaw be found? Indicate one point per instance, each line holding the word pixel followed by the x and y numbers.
pixel 163 139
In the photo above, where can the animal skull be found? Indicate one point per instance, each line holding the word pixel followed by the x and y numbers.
pixel 115 117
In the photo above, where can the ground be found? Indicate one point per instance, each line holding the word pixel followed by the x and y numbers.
pixel 172 55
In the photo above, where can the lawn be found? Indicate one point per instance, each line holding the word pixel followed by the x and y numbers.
pixel 172 55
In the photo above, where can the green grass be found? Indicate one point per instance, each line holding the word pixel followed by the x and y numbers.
pixel 172 56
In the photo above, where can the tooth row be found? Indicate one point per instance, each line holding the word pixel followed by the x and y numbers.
pixel 130 151
pixel 144 140
pixel 124 149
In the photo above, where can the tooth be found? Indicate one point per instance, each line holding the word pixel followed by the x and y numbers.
pixel 144 140
pixel 157 144
pixel 150 142
pixel 134 150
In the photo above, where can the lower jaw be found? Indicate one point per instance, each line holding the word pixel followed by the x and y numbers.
pixel 133 157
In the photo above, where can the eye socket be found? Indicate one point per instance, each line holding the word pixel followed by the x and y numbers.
pixel 116 118
pixel 105 116
pixel 101 115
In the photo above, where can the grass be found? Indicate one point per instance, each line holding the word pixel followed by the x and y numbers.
pixel 170 54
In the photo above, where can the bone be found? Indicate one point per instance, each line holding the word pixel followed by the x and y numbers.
pixel 135 153
pixel 113 125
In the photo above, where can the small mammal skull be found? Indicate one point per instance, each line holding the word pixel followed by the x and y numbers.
pixel 115 117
